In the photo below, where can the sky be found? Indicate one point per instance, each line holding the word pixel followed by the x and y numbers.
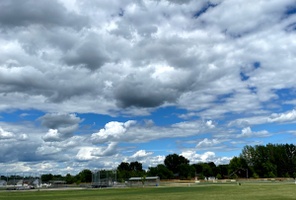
pixel 90 84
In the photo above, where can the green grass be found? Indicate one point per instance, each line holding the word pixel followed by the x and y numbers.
pixel 199 192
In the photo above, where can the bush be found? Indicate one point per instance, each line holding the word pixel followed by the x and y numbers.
pixel 219 176
pixel 255 175
pixel 271 175
pixel 201 177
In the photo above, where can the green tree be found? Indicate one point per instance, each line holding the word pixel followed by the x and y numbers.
pixel 207 170
pixel 186 171
pixel 160 170
pixel 238 166
pixel 45 178
pixel 69 179
pixel 198 168
pixel 124 166
pixel 127 170
pixel 136 166
pixel 271 160
pixel 85 176
pixel 173 162
pixel 223 171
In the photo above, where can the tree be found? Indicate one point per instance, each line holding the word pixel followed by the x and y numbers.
pixel 127 170
pixel 85 176
pixel 46 178
pixel 213 167
pixel 198 168
pixel 223 171
pixel 186 171
pixel 124 166
pixel 69 179
pixel 173 162
pixel 239 167
pixel 136 166
pixel 271 160
pixel 160 170
pixel 207 170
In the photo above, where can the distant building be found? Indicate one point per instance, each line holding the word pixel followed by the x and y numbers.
pixel 3 183
pixel 144 181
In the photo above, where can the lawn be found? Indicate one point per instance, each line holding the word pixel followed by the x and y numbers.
pixel 199 192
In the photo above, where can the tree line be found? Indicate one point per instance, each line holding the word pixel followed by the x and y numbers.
pixel 269 161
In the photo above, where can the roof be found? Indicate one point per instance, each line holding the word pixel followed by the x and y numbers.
pixel 141 178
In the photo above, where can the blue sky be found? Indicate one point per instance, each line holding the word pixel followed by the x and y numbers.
pixel 89 84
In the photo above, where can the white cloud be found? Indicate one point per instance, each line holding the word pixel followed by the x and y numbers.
pixel 205 157
pixel 247 132
pixel 227 61
pixel 103 151
pixel 52 135
pixel 23 137
pixel 210 124
pixel 287 117
pixel 283 117
pixel 88 153
pixel 139 155
pixel 245 122
pixel 45 150
pixel 6 134
pixel 15 167
pixel 112 131
pixel 206 143
pixel 85 153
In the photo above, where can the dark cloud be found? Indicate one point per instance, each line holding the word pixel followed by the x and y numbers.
pixel 45 13
pixel 109 150
pixel 142 92
pixel 61 126
pixel 18 150
pixel 58 120
pixel 174 50
pixel 130 56
pixel 90 54
pixel 204 9
pixel 179 1
pixel 24 80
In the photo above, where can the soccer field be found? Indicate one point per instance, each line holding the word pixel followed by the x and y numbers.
pixel 215 192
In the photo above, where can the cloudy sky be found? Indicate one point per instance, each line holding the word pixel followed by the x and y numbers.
pixel 89 84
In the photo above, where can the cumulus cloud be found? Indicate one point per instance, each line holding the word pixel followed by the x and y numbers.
pixel 283 117
pixel 206 143
pixel 210 124
pixel 55 120
pixel 90 54
pixel 287 117
pixel 149 64
pixel 133 132
pixel 23 137
pixel 52 135
pixel 110 150
pixel 61 126
pixel 93 153
pixel 216 60
pixel 47 150
pixel 85 153
pixel 6 134
pixel 205 157
pixel 113 131
pixel 53 148
pixel 247 132
pixel 139 155
pixel 49 13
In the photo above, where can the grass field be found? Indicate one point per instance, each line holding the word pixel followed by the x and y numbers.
pixel 199 192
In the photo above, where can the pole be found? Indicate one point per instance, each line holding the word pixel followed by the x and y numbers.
pixel 247 173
